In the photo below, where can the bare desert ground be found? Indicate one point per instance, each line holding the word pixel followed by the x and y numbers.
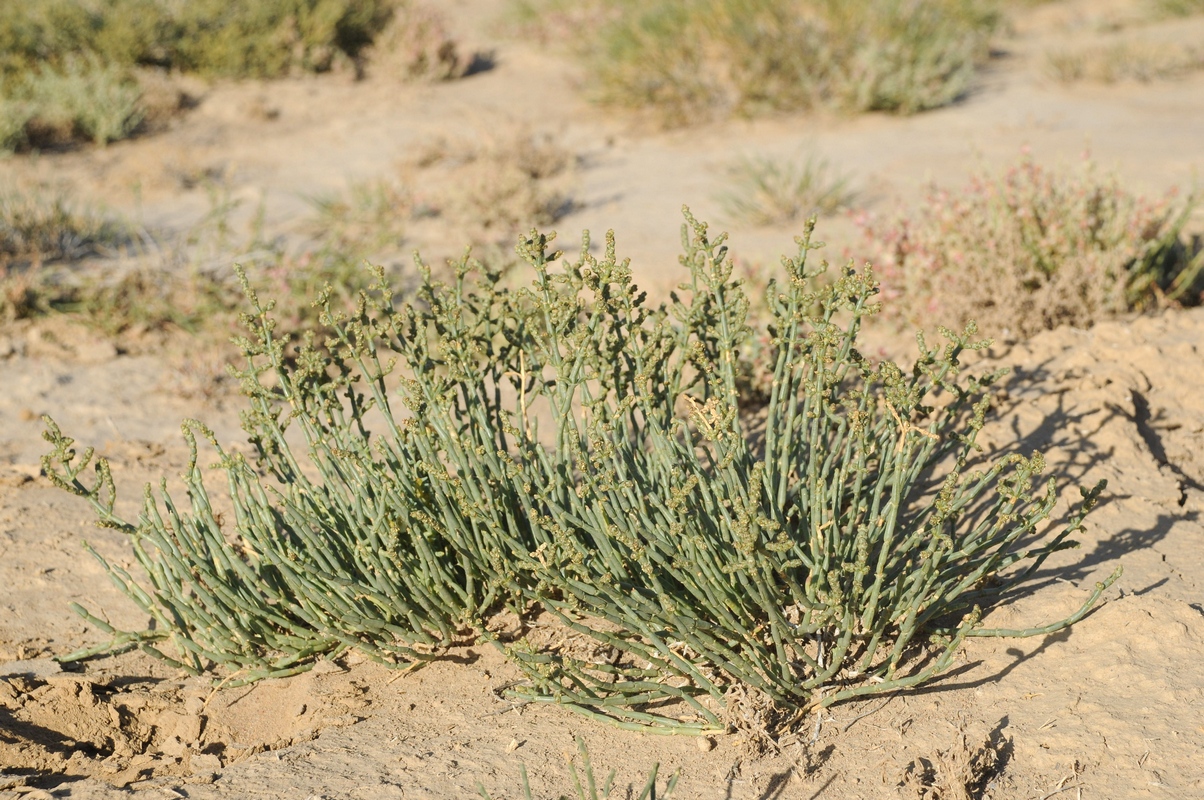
pixel 1110 708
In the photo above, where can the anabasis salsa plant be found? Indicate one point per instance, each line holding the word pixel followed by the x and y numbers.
pixel 569 448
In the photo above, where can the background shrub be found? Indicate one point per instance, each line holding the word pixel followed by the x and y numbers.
pixel 1140 61
pixel 15 114
pixel 499 182
pixel 1031 248
pixel 1178 8
pixel 63 257
pixel 41 225
pixel 268 38
pixel 82 99
pixel 265 38
pixel 769 191
pixel 417 45
pixel 693 60
pixel 66 66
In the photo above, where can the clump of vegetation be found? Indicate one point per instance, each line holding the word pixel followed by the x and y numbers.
pixel 79 100
pixel 126 280
pixel 40 225
pixel 498 184
pixel 567 448
pixel 418 46
pixel 962 771
pixel 369 217
pixel 14 116
pixel 64 257
pixel 83 99
pixel 1032 248
pixel 491 186
pixel 769 191
pixel 270 38
pixel 267 38
pixel 67 66
pixel 692 61
pixel 1140 61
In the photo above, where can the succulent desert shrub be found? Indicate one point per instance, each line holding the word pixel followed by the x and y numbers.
pixel 566 447
pixel 265 38
pixel 691 61
pixel 769 191
pixel 81 99
pixel 1031 248
pixel 69 62
pixel 50 32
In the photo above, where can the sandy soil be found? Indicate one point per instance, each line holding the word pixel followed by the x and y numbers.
pixel 1107 709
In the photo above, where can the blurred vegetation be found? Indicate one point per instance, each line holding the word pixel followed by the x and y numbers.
pixel 1179 8
pixel 58 256
pixel 41 225
pixel 691 60
pixel 775 191
pixel 68 68
pixel 1029 248
pixel 266 38
pixel 1126 60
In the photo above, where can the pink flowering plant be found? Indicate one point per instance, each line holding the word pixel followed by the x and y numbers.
pixel 1032 248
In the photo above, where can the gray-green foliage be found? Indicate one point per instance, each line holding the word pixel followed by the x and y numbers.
pixel 80 98
pixel 696 59
pixel 65 65
pixel 571 448
pixel 84 98
pixel 264 38
pixel 14 116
